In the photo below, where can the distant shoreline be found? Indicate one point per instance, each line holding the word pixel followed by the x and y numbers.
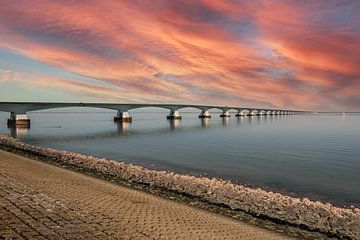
pixel 220 195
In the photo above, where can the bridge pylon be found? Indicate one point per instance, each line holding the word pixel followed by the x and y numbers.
pixel 240 114
pixel 174 114
pixel 225 113
pixel 122 116
pixel 18 120
pixel 204 114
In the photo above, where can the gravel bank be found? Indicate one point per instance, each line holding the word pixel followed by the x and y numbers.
pixel 303 212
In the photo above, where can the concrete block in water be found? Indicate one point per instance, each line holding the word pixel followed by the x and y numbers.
pixel 204 114
pixel 174 115
pixel 225 114
pixel 122 117
pixel 18 120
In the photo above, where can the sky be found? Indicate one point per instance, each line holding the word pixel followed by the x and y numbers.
pixel 263 53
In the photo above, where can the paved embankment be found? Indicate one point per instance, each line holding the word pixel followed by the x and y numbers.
pixel 41 201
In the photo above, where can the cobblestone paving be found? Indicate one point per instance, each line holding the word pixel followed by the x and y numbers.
pixel 40 201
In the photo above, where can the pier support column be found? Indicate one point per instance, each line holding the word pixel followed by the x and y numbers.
pixel 225 113
pixel 240 114
pixel 204 114
pixel 260 113
pixel 18 120
pixel 174 114
pixel 122 116
pixel 252 113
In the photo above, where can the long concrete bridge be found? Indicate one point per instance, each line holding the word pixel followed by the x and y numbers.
pixel 18 110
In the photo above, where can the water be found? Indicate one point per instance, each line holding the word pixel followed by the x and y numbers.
pixel 316 156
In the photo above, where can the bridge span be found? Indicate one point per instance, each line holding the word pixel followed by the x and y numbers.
pixel 18 110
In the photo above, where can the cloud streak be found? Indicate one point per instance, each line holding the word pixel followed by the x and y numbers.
pixel 263 53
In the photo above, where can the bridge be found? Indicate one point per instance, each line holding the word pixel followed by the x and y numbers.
pixel 18 110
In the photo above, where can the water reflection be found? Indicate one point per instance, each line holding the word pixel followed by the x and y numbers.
pixel 123 127
pixel 239 120
pixel 225 121
pixel 174 123
pixel 19 131
pixel 205 122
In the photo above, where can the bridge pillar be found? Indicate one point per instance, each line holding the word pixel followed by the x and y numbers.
pixel 204 114
pixel 18 120
pixel 260 113
pixel 225 113
pixel 122 116
pixel 268 112
pixel 252 113
pixel 174 114
pixel 240 114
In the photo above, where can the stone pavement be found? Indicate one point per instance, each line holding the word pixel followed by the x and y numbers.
pixel 41 201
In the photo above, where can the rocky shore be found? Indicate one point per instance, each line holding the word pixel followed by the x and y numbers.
pixel 302 212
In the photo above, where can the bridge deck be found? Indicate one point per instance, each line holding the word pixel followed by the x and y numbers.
pixel 24 107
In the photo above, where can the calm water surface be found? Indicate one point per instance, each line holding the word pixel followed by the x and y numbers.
pixel 317 156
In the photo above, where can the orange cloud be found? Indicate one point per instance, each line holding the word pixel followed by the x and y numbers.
pixel 261 53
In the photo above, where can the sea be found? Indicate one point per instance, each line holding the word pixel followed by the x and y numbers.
pixel 307 155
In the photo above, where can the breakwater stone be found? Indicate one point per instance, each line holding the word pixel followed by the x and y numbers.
pixel 314 215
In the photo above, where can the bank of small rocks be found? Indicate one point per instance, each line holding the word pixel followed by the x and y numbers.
pixel 302 212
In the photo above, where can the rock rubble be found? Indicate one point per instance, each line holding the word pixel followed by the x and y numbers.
pixel 315 216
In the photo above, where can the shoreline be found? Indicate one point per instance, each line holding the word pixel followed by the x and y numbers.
pixel 336 202
pixel 212 194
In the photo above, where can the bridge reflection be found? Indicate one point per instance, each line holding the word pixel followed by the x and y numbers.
pixel 205 122
pixel 174 123
pixel 19 131
pixel 123 127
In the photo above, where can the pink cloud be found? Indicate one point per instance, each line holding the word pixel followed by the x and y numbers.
pixel 263 53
